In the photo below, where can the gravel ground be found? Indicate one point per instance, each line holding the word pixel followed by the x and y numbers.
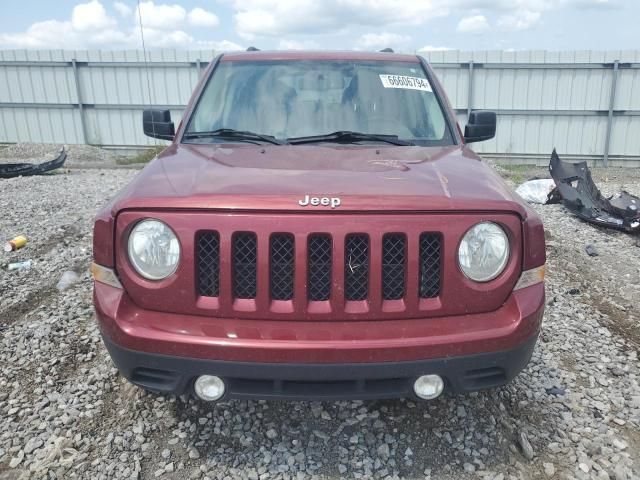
pixel 573 413
pixel 78 156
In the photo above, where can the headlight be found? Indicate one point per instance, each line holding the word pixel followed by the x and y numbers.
pixel 154 250
pixel 484 252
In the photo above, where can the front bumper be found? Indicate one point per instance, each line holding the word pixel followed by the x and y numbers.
pixel 321 360
pixel 288 381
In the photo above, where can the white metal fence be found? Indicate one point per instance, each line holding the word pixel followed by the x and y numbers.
pixel 586 104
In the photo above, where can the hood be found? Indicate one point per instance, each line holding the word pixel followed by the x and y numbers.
pixel 276 178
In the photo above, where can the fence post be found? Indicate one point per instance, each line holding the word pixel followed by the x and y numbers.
pixel 470 90
pixel 76 78
pixel 612 100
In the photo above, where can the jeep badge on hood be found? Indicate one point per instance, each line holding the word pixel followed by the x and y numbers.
pixel 316 201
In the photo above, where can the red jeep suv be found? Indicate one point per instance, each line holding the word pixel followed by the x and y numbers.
pixel 318 229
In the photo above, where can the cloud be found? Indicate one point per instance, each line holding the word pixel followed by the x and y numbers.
pixel 160 38
pixel 161 16
pixel 431 48
pixel 91 16
pixel 123 9
pixel 222 46
pixel 521 20
pixel 45 34
pixel 286 24
pixel 270 18
pixel 289 44
pixel 605 4
pixel 474 24
pixel 199 17
pixel 594 3
pixel 493 6
pixel 90 26
pixel 376 41
pixel 55 34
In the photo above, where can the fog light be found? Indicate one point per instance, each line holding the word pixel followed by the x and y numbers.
pixel 428 387
pixel 209 387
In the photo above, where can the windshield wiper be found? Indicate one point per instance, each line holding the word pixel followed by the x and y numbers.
pixel 346 136
pixel 231 134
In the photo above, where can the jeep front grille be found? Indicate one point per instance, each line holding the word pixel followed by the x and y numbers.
pixel 282 264
pixel 245 265
pixel 394 272
pixel 356 267
pixel 319 267
pixel 430 246
pixel 208 263
pixel 393 266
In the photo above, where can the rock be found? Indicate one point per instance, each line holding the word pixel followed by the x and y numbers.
pixel 555 391
pixel 383 451
pixel 17 460
pixel 619 444
pixel 591 250
pixel 271 434
pixel 617 371
pixel 342 469
pixel 67 280
pixel 527 449
pixel 549 469
pixel 620 472
pixel 193 454
pixel 33 444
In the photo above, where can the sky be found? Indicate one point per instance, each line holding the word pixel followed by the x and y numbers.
pixel 404 25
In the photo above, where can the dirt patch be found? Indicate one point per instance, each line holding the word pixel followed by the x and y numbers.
pixel 32 301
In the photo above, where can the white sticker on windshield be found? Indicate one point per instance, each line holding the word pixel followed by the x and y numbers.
pixel 402 81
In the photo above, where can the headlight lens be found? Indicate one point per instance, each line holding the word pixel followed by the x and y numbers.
pixel 154 250
pixel 484 252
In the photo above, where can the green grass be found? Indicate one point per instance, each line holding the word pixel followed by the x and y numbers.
pixel 145 156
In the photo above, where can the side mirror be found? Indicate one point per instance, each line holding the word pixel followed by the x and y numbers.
pixel 158 124
pixel 481 126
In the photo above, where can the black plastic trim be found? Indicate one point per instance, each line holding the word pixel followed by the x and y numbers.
pixel 301 381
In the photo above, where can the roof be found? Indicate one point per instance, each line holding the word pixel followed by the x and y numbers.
pixel 319 55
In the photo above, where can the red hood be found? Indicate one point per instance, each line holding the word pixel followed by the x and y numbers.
pixel 275 178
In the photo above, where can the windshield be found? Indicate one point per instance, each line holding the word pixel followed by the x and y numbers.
pixel 289 99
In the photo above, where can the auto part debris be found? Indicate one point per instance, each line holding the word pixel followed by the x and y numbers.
pixel 536 190
pixel 15 243
pixel 25 265
pixel 11 170
pixel 581 196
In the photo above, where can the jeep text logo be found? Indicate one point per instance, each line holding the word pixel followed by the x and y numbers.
pixel 333 202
